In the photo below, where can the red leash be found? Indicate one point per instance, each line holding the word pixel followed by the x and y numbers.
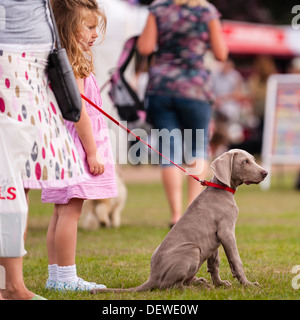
pixel 203 182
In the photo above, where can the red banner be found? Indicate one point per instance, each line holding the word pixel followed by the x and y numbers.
pixel 250 38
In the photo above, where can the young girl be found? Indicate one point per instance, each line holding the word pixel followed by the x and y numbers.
pixel 78 22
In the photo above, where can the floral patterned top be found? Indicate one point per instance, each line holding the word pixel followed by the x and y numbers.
pixel 183 39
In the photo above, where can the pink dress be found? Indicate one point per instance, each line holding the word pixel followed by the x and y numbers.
pixel 92 187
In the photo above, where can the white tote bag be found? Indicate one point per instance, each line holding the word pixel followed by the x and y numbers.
pixel 16 140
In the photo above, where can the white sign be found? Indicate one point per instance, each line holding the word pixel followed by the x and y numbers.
pixel 281 139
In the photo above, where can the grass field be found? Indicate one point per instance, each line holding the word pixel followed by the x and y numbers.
pixel 267 232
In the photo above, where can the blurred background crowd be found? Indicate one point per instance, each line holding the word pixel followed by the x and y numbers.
pixel 239 84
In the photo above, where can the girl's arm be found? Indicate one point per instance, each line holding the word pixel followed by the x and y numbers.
pixel 218 45
pixel 84 130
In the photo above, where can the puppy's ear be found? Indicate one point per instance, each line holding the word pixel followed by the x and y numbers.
pixel 222 167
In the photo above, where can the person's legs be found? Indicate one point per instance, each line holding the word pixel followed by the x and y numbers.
pixel 51 237
pixel 62 233
pixel 172 181
pixel 61 242
pixel 15 288
pixel 195 118
pixel 194 187
pixel 164 118
pixel 61 246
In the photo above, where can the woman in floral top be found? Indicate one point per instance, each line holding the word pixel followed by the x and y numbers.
pixel 179 93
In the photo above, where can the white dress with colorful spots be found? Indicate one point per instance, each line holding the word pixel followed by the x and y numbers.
pixel 25 95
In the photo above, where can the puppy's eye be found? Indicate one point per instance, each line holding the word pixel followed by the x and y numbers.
pixel 245 161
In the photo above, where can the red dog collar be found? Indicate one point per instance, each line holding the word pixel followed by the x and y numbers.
pixel 215 185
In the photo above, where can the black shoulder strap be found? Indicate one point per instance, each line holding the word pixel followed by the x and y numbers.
pixel 56 36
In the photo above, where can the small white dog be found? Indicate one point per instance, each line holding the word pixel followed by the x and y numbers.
pixel 104 212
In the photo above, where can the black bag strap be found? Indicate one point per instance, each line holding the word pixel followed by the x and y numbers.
pixel 56 36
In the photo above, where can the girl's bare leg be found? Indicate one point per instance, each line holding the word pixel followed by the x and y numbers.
pixel 15 288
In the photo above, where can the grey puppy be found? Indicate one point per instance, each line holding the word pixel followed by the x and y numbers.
pixel 207 223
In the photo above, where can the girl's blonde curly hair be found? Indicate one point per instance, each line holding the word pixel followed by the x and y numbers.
pixel 69 21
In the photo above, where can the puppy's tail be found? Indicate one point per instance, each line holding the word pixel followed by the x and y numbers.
pixel 148 285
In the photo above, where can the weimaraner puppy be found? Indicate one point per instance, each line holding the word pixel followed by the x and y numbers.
pixel 207 223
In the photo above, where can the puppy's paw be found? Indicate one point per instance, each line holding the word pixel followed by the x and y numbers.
pixel 250 284
pixel 223 283
pixel 202 283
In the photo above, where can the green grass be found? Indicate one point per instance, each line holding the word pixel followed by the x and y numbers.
pixel 267 233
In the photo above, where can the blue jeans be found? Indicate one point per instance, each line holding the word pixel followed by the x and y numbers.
pixel 187 120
